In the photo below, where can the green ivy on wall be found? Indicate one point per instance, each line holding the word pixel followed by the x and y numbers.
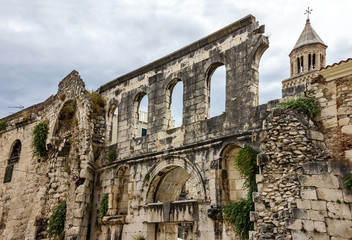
pixel 104 205
pixel 57 220
pixel 237 213
pixel 40 133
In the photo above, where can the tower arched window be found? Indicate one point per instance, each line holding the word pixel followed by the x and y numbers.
pixel 217 89
pixel 14 158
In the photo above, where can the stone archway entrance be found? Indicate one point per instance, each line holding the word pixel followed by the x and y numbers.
pixel 173 199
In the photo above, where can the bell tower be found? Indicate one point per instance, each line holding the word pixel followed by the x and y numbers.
pixel 307 56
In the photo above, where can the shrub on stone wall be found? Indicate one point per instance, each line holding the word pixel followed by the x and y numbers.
pixel 97 102
pixel 237 214
pixel 40 133
pixel 139 237
pixel 104 205
pixel 3 125
pixel 57 220
pixel 307 106
pixel 112 155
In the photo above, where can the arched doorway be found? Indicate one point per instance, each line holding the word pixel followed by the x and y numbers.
pixel 175 189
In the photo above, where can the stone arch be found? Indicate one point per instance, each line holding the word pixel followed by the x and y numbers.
pixel 140 117
pixel 218 92
pixel 169 100
pixel 15 149
pixel 174 171
pixel 231 181
pixel 66 118
pixel 118 194
pixel 14 158
pixel 112 116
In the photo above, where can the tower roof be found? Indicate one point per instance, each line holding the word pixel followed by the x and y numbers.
pixel 308 36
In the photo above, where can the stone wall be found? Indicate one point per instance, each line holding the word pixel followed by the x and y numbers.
pixel 301 192
pixel 39 184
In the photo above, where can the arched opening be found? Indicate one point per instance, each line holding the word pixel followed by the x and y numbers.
pixel 172 187
pixel 175 103
pixel 141 103
pixel 66 119
pixel 118 196
pixel 231 180
pixel 14 158
pixel 216 81
pixel 115 124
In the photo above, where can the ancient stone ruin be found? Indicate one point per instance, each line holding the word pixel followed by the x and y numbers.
pixel 130 174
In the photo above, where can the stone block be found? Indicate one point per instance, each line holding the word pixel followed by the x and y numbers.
pixel 315 168
pixel 318 205
pixel 323 180
pixel 336 210
pixel 344 121
pixel 300 213
pixel 339 228
pixel 294 224
pixel 78 213
pixel 308 225
pixel 315 135
pixel 300 235
pixel 319 236
pixel 308 193
pixel 329 194
pixel 303 204
pixel 317 215
pixel 347 129
pixel 347 197
pixel 320 226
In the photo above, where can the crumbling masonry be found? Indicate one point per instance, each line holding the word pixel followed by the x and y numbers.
pixel 169 183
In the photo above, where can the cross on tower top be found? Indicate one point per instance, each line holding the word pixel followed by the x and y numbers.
pixel 308 11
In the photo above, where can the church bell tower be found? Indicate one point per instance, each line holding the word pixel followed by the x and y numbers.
pixel 307 57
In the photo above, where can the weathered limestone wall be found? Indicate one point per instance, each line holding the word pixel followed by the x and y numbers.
pixel 335 100
pixel 38 185
pixel 189 156
pixel 301 194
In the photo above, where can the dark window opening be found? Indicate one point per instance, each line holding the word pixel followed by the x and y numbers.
pixel 8 173
pixel 144 132
pixel 313 61
pixel 298 65
pixel 310 62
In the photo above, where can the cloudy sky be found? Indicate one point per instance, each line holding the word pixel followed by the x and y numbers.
pixel 42 41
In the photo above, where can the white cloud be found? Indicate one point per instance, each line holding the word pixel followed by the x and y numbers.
pixel 42 41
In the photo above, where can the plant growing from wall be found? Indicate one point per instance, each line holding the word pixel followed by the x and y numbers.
pixel 348 183
pixel 97 102
pixel 3 125
pixel 104 205
pixel 57 222
pixel 307 106
pixel 237 214
pixel 139 237
pixel 112 155
pixel 147 177
pixel 40 133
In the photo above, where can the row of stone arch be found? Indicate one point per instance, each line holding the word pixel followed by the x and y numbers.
pixel 178 179
pixel 216 97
